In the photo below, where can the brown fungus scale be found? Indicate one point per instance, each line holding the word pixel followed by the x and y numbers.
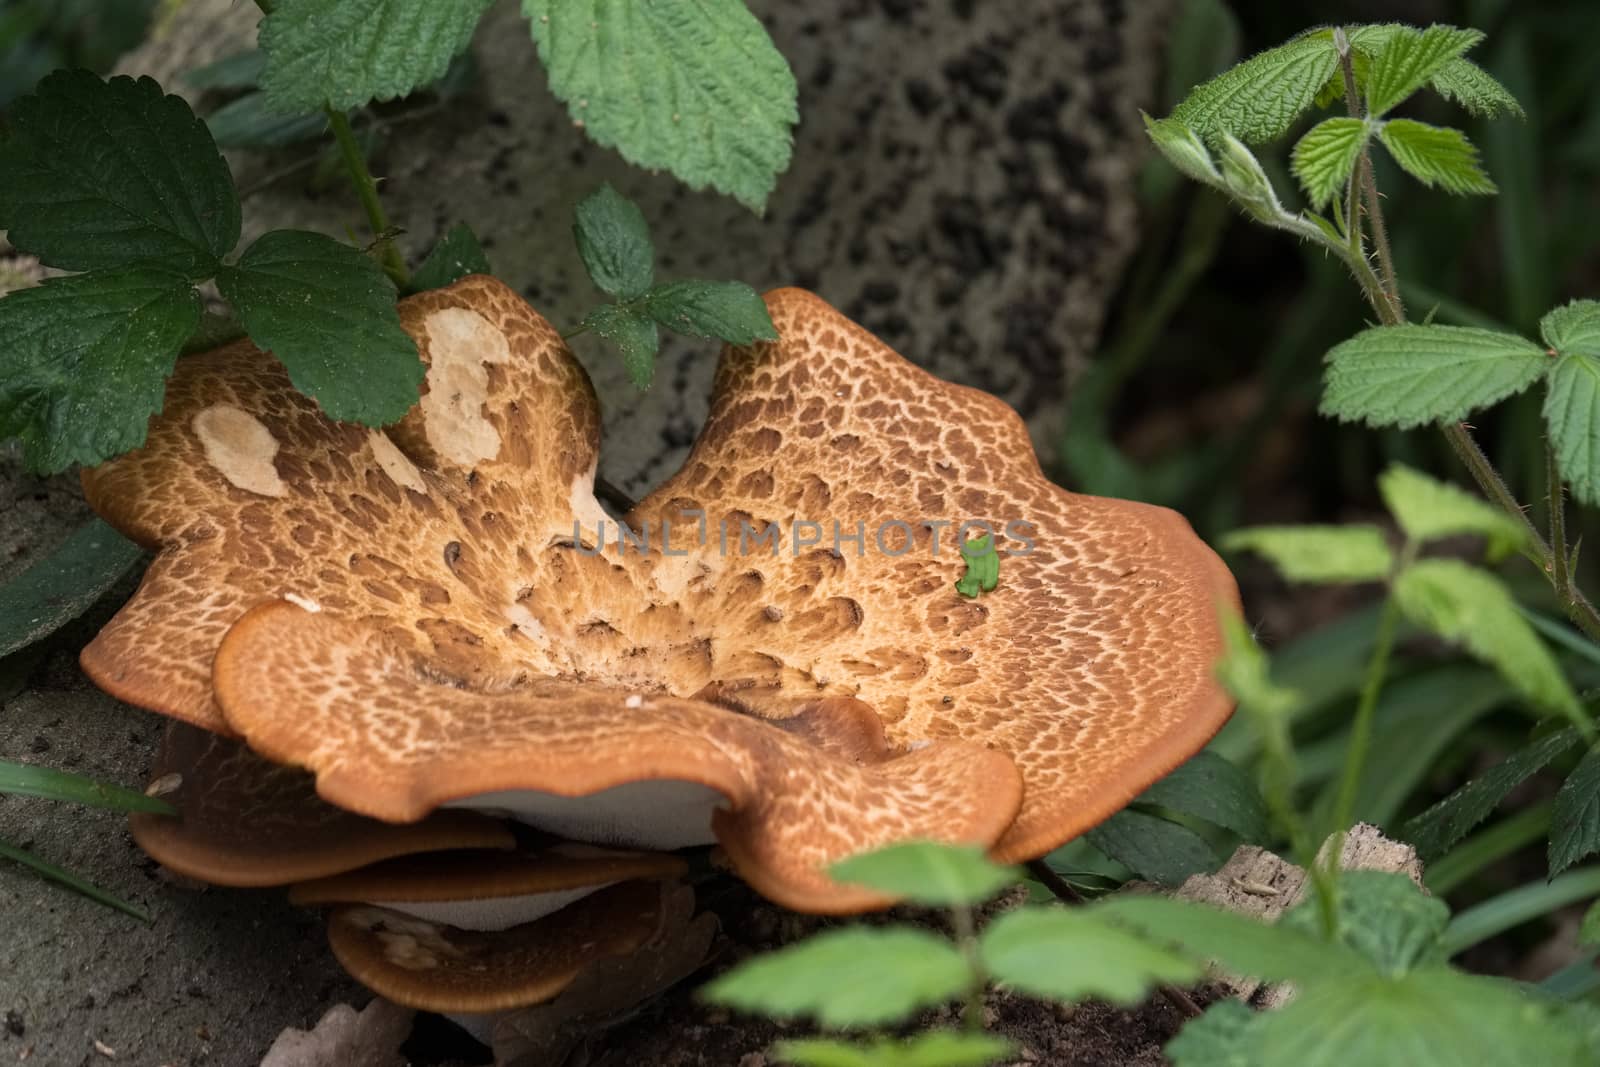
pixel 423 616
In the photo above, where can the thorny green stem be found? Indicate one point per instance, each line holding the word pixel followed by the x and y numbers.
pixel 1558 523
pixel 355 163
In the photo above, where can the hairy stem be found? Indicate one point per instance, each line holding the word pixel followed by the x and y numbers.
pixel 355 164
pixel 1558 523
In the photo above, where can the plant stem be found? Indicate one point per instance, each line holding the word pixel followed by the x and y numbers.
pixel 967 942
pixel 1558 523
pixel 355 164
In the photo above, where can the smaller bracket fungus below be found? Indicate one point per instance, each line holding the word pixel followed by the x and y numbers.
pixel 431 615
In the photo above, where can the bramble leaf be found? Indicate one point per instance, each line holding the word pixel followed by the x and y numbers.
pixel 1325 157
pixel 1464 604
pixel 1154 848
pixel 1410 59
pixel 854 976
pixel 99 174
pixel 614 242
pixel 1427 508
pixel 1573 328
pixel 347 53
pixel 87 359
pixel 1260 98
pixel 1572 404
pixel 457 255
pixel 1384 916
pixel 695 87
pixel 327 312
pixel 1183 148
pixel 1354 553
pixel 1069 955
pixel 983 567
pixel 1459 80
pixel 726 311
pixel 63 585
pixel 1575 822
pixel 635 335
pixel 1435 830
pixel 928 873
pixel 1246 181
pixel 1436 155
pixel 940 1048
pixel 1411 375
pixel 1209 787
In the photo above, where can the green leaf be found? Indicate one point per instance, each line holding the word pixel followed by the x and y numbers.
pixel 347 53
pixel 1220 1037
pixel 25 779
pixel 855 976
pixel 87 359
pixel 457 255
pixel 1246 181
pixel 1575 822
pixel 1573 329
pixel 983 567
pixel 1459 80
pixel 1355 553
pixel 1154 848
pixel 1436 155
pixel 1259 99
pixel 694 87
pixel 1411 59
pixel 1471 607
pixel 1427 508
pixel 241 70
pixel 1245 673
pixel 614 241
pixel 1240 945
pixel 102 174
pixel 1435 830
pixel 1209 787
pixel 63 585
pixel 634 333
pixel 1572 405
pixel 1385 917
pixel 1183 148
pixel 928 873
pixel 1326 156
pixel 1409 376
pixel 1589 931
pixel 1069 955
pixel 327 311
pixel 725 311
pixel 71 881
pixel 251 122
pixel 941 1048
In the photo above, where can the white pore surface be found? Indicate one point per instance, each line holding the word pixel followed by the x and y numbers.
pixel 661 815
pixel 480 1026
pixel 500 913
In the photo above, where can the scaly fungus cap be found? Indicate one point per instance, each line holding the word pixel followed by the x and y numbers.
pixel 421 616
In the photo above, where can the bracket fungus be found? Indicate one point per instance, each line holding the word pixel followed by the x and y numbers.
pixel 431 617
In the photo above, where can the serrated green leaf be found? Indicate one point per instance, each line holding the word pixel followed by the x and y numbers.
pixel 694 87
pixel 1459 80
pixel 1575 822
pixel 1246 181
pixel 1240 945
pixel 1183 148
pixel 1209 787
pixel 1411 59
pixel 1572 414
pixel 928 873
pixel 941 1048
pixel 1435 830
pixel 1069 955
pixel 1325 157
pixel 1427 508
pixel 1412 375
pixel 347 53
pixel 1154 848
pixel 1355 553
pixel 1470 606
pixel 86 360
pixel 71 881
pixel 250 122
pixel 982 562
pixel 635 335
pixel 23 779
pixel 99 174
pixel 457 255
pixel 241 70
pixel 1436 155
pixel 327 312
pixel 856 976
pixel 1219 1038
pixel 63 585
pixel 1259 99
pixel 1384 916
pixel 724 311
pixel 1573 328
pixel 614 242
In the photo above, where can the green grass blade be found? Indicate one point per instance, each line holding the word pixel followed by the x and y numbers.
pixel 71 881
pixel 1487 847
pixel 27 780
pixel 1517 906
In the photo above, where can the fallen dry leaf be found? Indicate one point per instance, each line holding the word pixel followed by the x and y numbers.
pixel 345 1037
